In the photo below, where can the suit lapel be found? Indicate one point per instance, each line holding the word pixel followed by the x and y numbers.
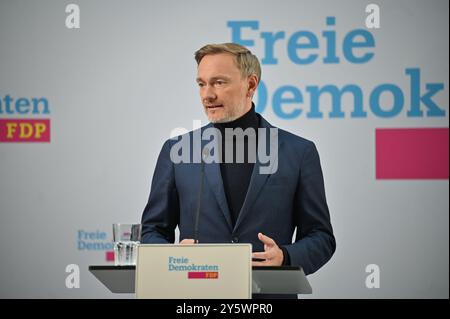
pixel 214 179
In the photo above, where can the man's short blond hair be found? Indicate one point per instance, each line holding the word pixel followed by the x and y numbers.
pixel 246 61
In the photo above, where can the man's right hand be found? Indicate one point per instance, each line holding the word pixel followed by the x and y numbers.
pixel 187 242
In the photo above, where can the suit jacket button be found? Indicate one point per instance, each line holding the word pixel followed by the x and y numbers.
pixel 235 240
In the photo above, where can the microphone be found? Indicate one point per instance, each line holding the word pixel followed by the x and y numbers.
pixel 205 154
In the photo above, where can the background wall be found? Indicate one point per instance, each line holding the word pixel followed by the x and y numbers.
pixel 117 86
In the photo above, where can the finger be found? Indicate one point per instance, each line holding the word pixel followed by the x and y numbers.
pixel 265 263
pixel 266 240
pixel 187 241
pixel 259 263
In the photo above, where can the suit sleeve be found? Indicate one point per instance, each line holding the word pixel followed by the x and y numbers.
pixel 161 214
pixel 315 242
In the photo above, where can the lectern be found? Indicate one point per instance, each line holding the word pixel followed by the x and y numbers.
pixel 201 271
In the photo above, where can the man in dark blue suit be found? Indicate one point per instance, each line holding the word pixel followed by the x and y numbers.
pixel 259 200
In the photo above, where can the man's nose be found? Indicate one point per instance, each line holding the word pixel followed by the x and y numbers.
pixel 208 93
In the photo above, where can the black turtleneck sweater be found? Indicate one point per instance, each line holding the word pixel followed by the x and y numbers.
pixel 236 176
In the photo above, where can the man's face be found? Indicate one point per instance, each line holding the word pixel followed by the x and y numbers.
pixel 223 91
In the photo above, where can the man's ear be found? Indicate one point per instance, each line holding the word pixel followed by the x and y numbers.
pixel 252 85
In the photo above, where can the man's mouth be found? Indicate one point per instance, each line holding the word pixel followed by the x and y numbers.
pixel 213 107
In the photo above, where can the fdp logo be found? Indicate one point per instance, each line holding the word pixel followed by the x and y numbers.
pixel 27 130
pixel 15 130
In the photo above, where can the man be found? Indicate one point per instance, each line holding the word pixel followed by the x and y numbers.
pixel 238 202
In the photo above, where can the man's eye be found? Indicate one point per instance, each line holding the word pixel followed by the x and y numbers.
pixel 201 84
pixel 220 82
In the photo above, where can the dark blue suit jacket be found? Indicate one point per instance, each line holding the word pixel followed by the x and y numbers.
pixel 276 204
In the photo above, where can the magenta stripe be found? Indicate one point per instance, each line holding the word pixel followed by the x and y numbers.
pixel 109 255
pixel 196 275
pixel 412 153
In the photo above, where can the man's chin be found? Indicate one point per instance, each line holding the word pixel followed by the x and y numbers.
pixel 220 120
pixel 216 118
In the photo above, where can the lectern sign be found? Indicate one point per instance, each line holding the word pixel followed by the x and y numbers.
pixel 194 271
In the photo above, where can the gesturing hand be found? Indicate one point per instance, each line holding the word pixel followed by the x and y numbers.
pixel 272 255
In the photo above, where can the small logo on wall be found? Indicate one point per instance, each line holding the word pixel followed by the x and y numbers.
pixel 30 129
pixel 97 241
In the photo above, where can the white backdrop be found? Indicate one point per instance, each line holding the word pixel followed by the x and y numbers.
pixel 119 84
